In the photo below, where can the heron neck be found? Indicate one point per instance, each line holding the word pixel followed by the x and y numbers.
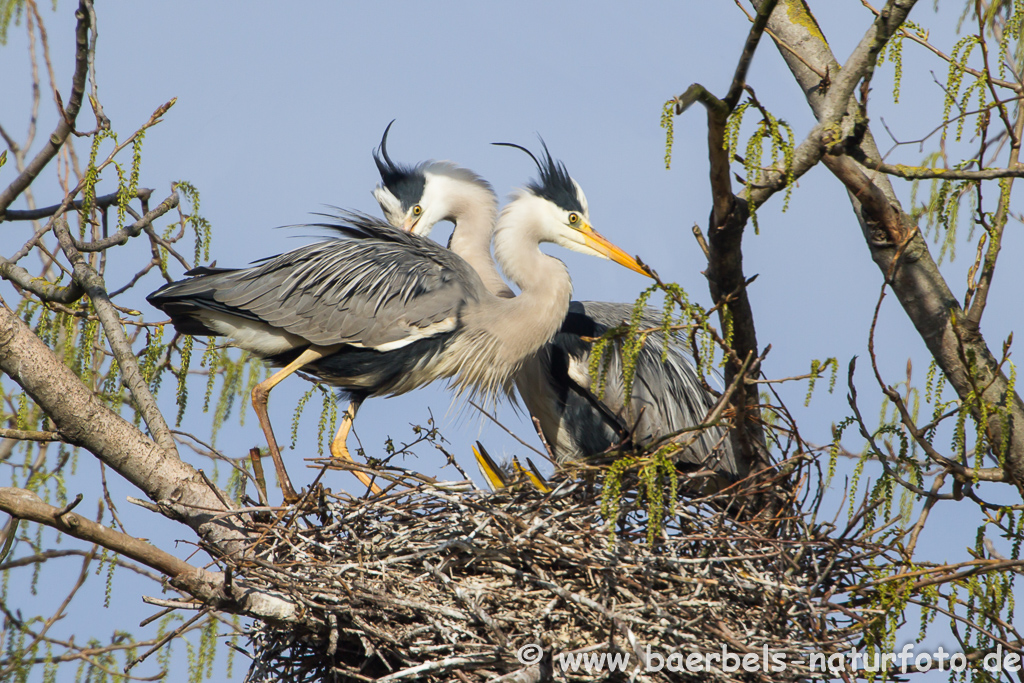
pixel 544 283
pixel 502 333
pixel 542 304
pixel 471 240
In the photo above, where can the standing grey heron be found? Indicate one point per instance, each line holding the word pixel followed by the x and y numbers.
pixel 379 311
pixel 555 383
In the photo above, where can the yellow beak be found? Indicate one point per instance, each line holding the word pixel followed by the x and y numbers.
pixel 603 246
pixel 409 224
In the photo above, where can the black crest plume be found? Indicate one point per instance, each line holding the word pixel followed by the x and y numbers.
pixel 554 184
pixel 405 182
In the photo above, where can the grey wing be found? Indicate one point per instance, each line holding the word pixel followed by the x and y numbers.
pixel 667 396
pixel 379 288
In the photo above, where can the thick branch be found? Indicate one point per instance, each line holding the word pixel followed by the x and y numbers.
pixel 181 492
pixel 896 246
pixel 805 157
pixel 718 113
pixel 47 291
pixel 83 420
pixel 726 281
pixel 27 505
pixel 67 115
pixel 208 587
pixel 861 63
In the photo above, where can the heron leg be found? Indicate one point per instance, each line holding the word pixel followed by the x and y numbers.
pixel 339 447
pixel 260 394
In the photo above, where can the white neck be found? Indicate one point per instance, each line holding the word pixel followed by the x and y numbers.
pixel 537 313
pixel 511 330
pixel 474 211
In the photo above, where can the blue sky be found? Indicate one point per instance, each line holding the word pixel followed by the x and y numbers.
pixel 279 106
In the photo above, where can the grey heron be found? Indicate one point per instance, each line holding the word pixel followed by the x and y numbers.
pixel 378 311
pixel 555 383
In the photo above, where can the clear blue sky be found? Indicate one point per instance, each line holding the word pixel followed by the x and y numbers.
pixel 279 107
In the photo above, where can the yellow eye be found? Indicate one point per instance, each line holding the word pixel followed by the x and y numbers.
pixel 574 218
pixel 417 210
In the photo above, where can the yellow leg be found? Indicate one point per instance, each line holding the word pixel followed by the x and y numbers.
pixel 260 395
pixel 339 447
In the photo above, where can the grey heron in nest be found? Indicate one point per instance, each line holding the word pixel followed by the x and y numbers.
pixel 555 383
pixel 378 311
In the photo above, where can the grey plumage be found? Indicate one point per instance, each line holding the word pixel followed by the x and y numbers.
pixel 391 298
pixel 380 312
pixel 666 397
pixel 555 384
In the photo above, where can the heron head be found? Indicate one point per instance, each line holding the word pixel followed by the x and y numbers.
pixel 562 213
pixel 415 198
pixel 401 188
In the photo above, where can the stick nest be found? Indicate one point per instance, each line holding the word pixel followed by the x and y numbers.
pixel 438 583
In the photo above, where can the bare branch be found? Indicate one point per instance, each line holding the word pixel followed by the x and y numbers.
pixel 100 202
pixel 83 420
pixel 897 247
pixel 28 435
pixel 923 173
pixel 94 286
pixel 994 227
pixel 134 230
pixel 47 291
pixel 26 505
pixel 861 63
pixel 923 41
pixel 67 118
pixel 739 78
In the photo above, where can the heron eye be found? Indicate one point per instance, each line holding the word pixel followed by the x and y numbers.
pixel 417 210
pixel 574 218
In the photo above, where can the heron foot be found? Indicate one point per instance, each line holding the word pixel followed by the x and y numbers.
pixel 339 450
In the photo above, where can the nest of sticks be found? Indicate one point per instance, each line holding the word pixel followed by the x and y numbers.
pixel 443 582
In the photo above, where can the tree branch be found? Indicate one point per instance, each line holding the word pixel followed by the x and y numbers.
pixel 923 41
pixel 93 284
pixel 29 435
pixel 47 291
pixel 922 173
pixel 896 245
pixel 180 491
pixel 726 280
pixel 209 587
pixel 83 420
pixel 68 115
pixel 861 63
pixel 101 202
pixel 994 227
pixel 134 230
pixel 27 505
pixel 739 78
